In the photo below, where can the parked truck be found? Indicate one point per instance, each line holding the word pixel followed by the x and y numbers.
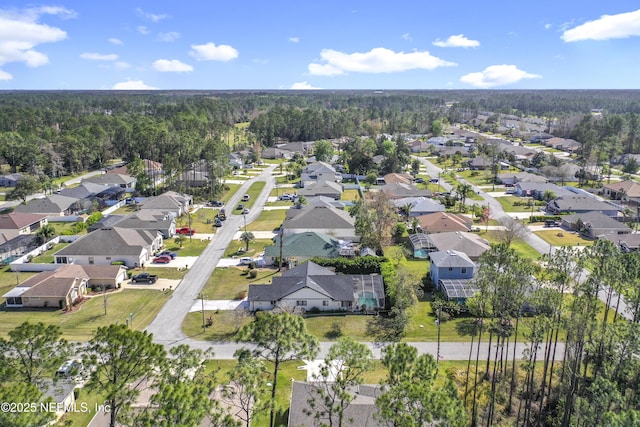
pixel 144 278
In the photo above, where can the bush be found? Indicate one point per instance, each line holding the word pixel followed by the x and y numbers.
pixel 252 265
pixel 253 274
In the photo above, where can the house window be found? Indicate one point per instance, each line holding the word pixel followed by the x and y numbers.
pixel 464 270
pixel 90 260
pixel 301 303
pixel 274 302
pixel 450 268
pixel 346 304
pixel 325 303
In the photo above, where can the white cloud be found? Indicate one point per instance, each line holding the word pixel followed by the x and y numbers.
pixel 121 65
pixel 497 75
pixel 169 37
pixel 143 30
pixel 211 52
pixel 294 39
pixel 407 37
pixel 303 85
pixel 606 27
pixel 21 32
pixel 98 56
pixel 377 60
pixel 458 40
pixel 548 26
pixel 114 40
pixel 153 17
pixel 132 85
pixel 5 76
pixel 171 66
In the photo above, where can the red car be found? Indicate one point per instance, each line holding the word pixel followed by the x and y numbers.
pixel 162 259
pixel 186 230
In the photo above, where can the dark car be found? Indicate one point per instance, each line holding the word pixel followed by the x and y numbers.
pixel 162 259
pixel 240 207
pixel 217 203
pixel 173 255
pixel 218 223
pixel 419 180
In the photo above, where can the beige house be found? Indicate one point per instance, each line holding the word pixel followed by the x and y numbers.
pixel 63 287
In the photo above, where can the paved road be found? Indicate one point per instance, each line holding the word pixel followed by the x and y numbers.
pixel 167 326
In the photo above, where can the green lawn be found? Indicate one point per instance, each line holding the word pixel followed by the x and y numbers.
pixel 82 322
pixel 191 245
pixel 230 283
pixel 563 238
pixel 232 188
pixel 254 192
pixel 255 247
pixel 353 325
pixel 226 324
pixel 507 203
pixel 350 195
pixel 47 256
pixel 268 220
pixel 520 246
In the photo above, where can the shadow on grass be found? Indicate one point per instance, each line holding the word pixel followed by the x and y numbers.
pixel 468 327
pixel 384 328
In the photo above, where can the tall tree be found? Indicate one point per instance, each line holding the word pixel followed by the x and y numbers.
pixel 278 337
pixel 342 369
pixel 323 151
pixel 32 351
pixel 246 388
pixel 410 396
pixel 124 360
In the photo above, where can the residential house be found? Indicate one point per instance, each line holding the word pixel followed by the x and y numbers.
pixel 449 151
pixel 401 190
pixel 301 247
pixel 193 179
pixel 623 190
pixel 419 146
pixel 151 220
pixel 562 144
pixel 514 178
pixel 276 153
pixel 54 205
pixel 170 202
pixel 537 190
pixel 321 219
pixel 361 411
pixel 154 170
pixel 398 178
pixel 65 286
pixel 468 243
pixel 419 205
pixel 235 160
pixel 580 204
pixel 310 286
pixel 595 224
pixel 458 290
pixel 318 172
pixel 441 222
pixel 17 223
pixel 107 245
pixel 628 242
pixel 329 189
pixel 447 265
pixel 62 394
pixel 303 148
pixel 113 179
pixel 10 180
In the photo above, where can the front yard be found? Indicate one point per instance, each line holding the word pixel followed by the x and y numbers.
pixel 231 283
pixel 563 238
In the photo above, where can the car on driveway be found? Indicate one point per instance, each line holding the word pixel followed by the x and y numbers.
pixel 218 223
pixel 173 255
pixel 245 211
pixel 246 260
pixel 186 231
pixel 246 198
pixel 162 259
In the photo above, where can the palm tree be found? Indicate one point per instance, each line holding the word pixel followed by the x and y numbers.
pixel 406 210
pixel 46 233
pixel 463 190
pixel 548 195
pixel 247 237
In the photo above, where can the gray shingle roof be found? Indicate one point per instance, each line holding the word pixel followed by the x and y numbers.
pixel 450 259
pixel 109 242
pixel 317 217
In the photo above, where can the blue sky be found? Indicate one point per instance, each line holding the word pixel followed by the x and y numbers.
pixel 400 44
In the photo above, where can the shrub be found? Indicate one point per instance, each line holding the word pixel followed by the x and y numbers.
pixel 253 274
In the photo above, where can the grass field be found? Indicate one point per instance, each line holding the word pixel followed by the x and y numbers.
pixel 230 283
pixel 82 322
pixel 563 238
pixel 350 195
pixel 521 247
pixel 507 203
pixel 254 192
pixel 268 220
pixel 255 247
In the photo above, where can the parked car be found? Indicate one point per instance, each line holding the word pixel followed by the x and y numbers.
pixel 216 203
pixel 240 206
pixel 162 259
pixel 218 223
pixel 245 211
pixel 419 180
pixel 144 278
pixel 246 198
pixel 173 255
pixel 186 230
pixel 286 196
pixel 246 260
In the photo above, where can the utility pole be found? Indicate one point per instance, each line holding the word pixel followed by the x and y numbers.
pixel 202 296
pixel 280 257
pixel 438 350
pixel 104 302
